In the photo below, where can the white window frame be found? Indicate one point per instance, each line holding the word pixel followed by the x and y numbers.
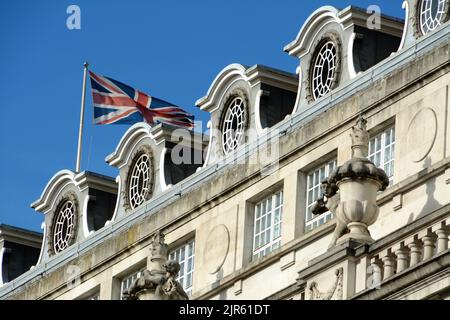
pixel 188 260
pixel 141 168
pixel 327 55
pixel 128 280
pixel 233 137
pixel 272 224
pixel 427 21
pixel 66 215
pixel 386 148
pixel 314 191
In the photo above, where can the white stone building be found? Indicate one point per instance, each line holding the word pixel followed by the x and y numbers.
pixel 239 219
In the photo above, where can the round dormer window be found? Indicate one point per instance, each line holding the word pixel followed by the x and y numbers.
pixel 64 225
pixel 324 69
pixel 140 180
pixel 234 124
pixel 432 13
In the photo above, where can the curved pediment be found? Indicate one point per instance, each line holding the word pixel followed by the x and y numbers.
pixel 51 190
pixel 224 79
pixel 335 46
pixel 123 150
pixel 302 43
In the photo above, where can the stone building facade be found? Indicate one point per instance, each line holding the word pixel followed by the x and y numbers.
pixel 240 219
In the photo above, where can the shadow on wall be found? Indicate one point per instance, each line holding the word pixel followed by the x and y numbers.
pixel 431 204
pixel 223 293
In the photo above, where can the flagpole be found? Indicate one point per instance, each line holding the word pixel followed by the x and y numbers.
pixel 80 131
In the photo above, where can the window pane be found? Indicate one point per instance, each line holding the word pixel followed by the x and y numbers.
pixel 314 192
pixel 127 281
pixel 184 254
pixel 267 227
pixel 382 154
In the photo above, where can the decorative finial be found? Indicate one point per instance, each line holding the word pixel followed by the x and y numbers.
pixel 361 123
pixel 158 247
pixel 86 64
pixel 360 138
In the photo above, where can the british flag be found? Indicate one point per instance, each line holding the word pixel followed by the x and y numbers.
pixel 117 103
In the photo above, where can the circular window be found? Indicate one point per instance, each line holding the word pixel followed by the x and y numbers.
pixel 323 74
pixel 64 226
pixel 432 14
pixel 233 125
pixel 140 180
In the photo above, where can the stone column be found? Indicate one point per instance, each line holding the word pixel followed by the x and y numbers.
pixel 389 265
pixel 402 258
pixel 442 239
pixel 415 248
pixel 376 274
pixel 428 245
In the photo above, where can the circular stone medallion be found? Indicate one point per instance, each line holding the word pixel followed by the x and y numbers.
pixel 216 248
pixel 421 134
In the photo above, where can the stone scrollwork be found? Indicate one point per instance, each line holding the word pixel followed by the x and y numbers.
pixel 171 288
pixel 153 285
pixel 334 293
pixel 160 282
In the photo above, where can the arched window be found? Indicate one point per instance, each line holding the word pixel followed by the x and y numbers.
pixel 234 124
pixel 64 225
pixel 324 69
pixel 140 180
pixel 432 13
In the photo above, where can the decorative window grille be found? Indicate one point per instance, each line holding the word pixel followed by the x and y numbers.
pixel 382 150
pixel 324 70
pixel 431 14
pixel 140 180
pixel 267 225
pixel 233 126
pixel 128 281
pixel 64 226
pixel 184 254
pixel 313 192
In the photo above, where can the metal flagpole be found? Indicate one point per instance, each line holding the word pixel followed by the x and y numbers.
pixel 80 132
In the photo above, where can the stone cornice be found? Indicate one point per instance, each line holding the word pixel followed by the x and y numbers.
pixel 21 236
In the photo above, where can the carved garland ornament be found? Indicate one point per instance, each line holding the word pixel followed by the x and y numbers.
pixel 334 293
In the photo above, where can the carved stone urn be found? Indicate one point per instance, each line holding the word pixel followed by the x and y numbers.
pixel 358 181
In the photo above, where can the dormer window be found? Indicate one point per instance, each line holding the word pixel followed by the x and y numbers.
pixel 140 180
pixel 234 124
pixel 432 13
pixel 324 69
pixel 63 233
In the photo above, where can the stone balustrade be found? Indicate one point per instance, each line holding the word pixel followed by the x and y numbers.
pixel 420 246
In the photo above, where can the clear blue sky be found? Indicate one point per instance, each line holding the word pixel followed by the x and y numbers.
pixel 169 49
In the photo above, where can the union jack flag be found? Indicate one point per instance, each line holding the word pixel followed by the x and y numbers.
pixel 117 103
